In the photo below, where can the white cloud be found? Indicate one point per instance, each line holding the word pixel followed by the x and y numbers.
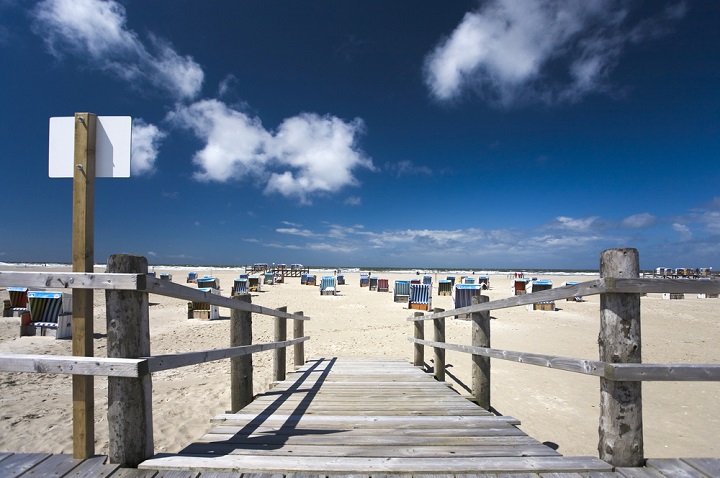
pixel 320 152
pixel 683 231
pixel 512 50
pixel 309 154
pixel 353 201
pixel 235 142
pixel 639 221
pixel 146 140
pixel 575 225
pixel 96 30
pixel 295 231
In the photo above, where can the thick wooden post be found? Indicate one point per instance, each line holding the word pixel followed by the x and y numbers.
pixel 241 368
pixel 480 364
pixel 419 327
pixel 83 260
pixel 130 425
pixel 279 354
pixel 299 349
pixel 439 334
pixel 621 427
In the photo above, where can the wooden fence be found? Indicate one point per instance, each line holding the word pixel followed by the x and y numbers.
pixel 619 366
pixel 128 365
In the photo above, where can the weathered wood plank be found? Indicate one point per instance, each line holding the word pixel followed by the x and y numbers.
pixel 54 465
pixel 673 468
pixel 72 280
pixel 370 421
pixel 285 433
pixel 171 361
pixel 15 464
pixel 281 464
pixel 663 372
pixel 71 365
pixel 509 436
pixel 708 466
pixel 638 472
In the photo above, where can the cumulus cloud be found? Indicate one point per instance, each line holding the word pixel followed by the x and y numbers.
pixel 319 152
pixel 510 51
pixel 146 139
pixel 639 221
pixel 97 30
pixel 576 224
pixel 309 154
pixel 683 231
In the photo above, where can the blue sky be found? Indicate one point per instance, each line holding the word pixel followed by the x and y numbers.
pixel 477 134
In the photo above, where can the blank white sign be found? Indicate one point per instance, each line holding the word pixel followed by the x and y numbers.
pixel 113 142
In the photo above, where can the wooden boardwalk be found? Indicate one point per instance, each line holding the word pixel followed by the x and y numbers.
pixel 364 418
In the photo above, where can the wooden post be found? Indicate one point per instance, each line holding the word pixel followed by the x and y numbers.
pixel 621 427
pixel 130 425
pixel 439 333
pixel 480 364
pixel 279 354
pixel 241 368
pixel 83 260
pixel 299 349
pixel 419 359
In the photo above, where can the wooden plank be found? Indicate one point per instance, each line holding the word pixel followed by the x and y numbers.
pixel 499 436
pixel 370 451
pixel 95 467
pixel 72 280
pixel 663 372
pixel 158 286
pixel 135 473
pixel 227 431
pixel 707 466
pixel 171 361
pixel 16 464
pixel 568 364
pixel 369 421
pixel 638 472
pixel 70 365
pixel 55 465
pixel 282 464
pixel 674 468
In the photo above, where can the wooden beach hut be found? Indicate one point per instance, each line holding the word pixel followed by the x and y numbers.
pixel 50 315
pixel 520 286
pixel 401 291
pixel 204 310
pixel 383 285
pixel 254 284
pixel 420 297
pixel 445 287
pixel 538 285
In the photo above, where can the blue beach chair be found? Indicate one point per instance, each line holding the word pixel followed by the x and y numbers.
pixel 420 297
pixel 50 315
pixel 401 291
pixel 327 286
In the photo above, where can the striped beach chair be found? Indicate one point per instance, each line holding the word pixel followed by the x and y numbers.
pixel 427 280
pixel 303 279
pixel 520 286
pixel 253 284
pixel 373 282
pixel 420 297
pixel 18 303
pixel 364 280
pixel 192 277
pixel 208 282
pixel 327 286
pixel 484 281
pixel 401 291
pixel 269 278
pixel 468 280
pixel 311 279
pixel 240 286
pixel 445 287
pixel 577 298
pixel 341 279
pixel 50 315
pixel 166 277
pixel 452 280
pixel 383 286
pixel 462 296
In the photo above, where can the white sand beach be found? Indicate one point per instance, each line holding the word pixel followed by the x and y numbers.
pixel 680 419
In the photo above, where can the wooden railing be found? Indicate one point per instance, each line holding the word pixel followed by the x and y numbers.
pixel 619 366
pixel 129 364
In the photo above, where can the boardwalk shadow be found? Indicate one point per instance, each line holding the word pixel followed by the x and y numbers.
pixel 254 435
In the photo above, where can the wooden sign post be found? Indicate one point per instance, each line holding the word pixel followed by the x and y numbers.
pixel 83 260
